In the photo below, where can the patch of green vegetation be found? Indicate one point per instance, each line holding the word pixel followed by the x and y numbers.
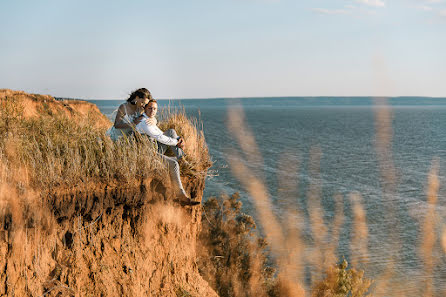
pixel 341 281
pixel 233 257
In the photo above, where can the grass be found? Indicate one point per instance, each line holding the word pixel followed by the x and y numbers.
pixel 308 267
pixel 237 262
pixel 61 150
pixel 232 257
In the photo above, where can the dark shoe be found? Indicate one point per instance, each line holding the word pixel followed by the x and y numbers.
pixel 193 203
pixel 187 202
pixel 184 200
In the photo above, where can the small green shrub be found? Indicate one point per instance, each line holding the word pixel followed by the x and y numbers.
pixel 341 281
pixel 232 257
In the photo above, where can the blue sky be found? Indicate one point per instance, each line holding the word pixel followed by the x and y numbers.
pixel 233 48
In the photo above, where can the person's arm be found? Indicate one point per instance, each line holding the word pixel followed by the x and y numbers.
pixel 181 144
pixel 156 133
pixel 120 123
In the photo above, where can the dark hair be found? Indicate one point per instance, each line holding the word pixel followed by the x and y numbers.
pixel 150 101
pixel 140 93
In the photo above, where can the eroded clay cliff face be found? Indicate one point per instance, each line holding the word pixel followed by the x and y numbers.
pixel 104 242
pixel 97 239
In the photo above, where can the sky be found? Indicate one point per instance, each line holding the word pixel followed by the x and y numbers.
pixel 232 48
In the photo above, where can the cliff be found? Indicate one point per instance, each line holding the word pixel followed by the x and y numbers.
pixel 34 105
pixel 81 216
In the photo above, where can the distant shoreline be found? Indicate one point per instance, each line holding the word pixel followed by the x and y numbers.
pixel 273 97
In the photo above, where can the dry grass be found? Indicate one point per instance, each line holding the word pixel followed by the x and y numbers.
pixel 232 258
pixel 196 148
pixel 60 150
pixel 292 253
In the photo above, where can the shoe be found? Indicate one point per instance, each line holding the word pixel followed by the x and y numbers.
pixel 183 199
pixel 193 202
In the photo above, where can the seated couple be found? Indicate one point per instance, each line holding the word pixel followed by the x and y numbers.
pixel 138 114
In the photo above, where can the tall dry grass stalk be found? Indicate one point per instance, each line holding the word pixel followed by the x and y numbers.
pixel 289 284
pixel 388 176
pixel 284 234
pixel 290 252
pixel 428 238
pixel 383 147
pixel 292 215
pixel 359 240
pixel 27 231
pixel 316 217
pixel 331 253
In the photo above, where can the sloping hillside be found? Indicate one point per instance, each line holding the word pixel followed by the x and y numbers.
pixel 33 105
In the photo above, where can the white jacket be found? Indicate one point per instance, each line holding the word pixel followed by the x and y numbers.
pixel 154 132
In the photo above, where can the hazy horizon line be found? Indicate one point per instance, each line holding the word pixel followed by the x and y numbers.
pixel 266 97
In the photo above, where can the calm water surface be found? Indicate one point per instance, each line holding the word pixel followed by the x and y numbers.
pixel 288 130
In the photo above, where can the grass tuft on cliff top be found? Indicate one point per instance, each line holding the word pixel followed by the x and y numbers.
pixel 63 143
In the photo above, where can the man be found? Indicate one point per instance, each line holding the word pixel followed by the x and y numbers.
pixel 165 141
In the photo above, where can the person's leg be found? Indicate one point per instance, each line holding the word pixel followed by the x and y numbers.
pixel 174 172
pixel 162 148
pixel 179 153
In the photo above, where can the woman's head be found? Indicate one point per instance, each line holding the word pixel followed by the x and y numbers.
pixel 140 97
pixel 151 108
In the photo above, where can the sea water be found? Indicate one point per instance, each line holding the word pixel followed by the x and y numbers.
pixel 291 132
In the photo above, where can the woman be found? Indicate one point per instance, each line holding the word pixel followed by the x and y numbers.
pixel 129 114
pixel 168 140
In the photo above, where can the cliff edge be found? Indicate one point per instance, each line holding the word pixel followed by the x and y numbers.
pixel 82 216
